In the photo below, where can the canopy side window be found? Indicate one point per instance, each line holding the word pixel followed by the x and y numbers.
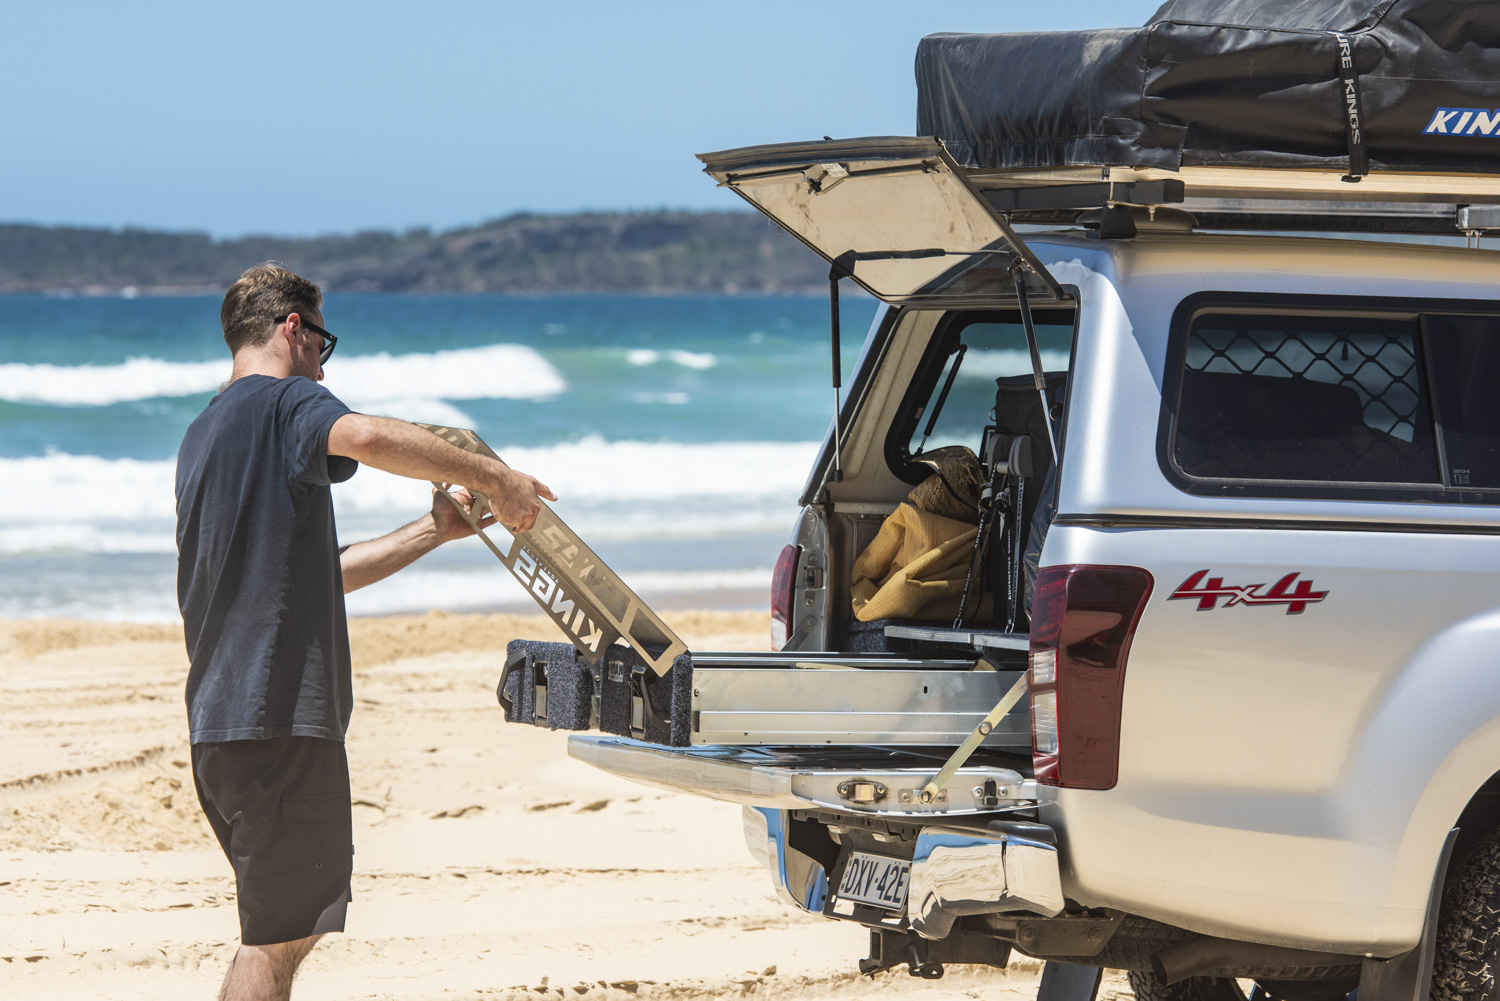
pixel 1314 400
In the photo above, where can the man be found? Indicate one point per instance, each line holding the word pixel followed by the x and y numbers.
pixel 260 582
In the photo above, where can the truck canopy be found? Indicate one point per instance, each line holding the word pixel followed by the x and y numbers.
pixel 1357 86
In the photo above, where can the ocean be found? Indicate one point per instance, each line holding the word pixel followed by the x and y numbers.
pixel 677 433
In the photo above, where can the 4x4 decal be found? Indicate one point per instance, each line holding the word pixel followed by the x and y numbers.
pixel 1282 592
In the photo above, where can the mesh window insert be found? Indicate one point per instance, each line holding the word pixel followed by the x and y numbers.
pixel 1304 397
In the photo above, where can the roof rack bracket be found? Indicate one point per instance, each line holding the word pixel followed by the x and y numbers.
pixel 1165 191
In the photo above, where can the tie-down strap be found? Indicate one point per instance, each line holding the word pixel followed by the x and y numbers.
pixel 986 726
pixel 1359 157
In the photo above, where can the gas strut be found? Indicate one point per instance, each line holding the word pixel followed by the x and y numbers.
pixel 843 267
pixel 937 408
pixel 1036 355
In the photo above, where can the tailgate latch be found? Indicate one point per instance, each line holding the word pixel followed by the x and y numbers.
pixel 862 793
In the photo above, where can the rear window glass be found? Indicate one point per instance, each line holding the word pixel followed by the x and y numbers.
pixel 1338 404
pixel 982 351
pixel 1465 352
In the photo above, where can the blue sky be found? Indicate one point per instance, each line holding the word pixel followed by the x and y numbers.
pixel 337 116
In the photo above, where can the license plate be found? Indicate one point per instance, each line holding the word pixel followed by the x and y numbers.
pixel 876 881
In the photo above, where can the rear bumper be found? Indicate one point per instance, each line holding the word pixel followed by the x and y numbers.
pixel 953 873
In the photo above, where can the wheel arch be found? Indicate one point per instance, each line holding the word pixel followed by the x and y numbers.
pixel 1427 760
pixel 1479 817
pixel 1463 792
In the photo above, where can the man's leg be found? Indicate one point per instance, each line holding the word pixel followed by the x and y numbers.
pixel 264 972
pixel 280 809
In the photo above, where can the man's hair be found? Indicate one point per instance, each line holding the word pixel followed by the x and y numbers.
pixel 260 298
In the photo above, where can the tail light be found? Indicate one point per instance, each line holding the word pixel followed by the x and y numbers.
pixel 1082 620
pixel 783 585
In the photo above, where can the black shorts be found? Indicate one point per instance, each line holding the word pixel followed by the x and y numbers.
pixel 280 808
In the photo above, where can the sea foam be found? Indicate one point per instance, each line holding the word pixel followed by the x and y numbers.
pixel 687 359
pixel 608 490
pixel 375 382
pixel 997 363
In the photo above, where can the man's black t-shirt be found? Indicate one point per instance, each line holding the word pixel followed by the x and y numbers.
pixel 258 578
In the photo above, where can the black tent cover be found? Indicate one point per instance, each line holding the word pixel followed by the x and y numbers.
pixel 1348 85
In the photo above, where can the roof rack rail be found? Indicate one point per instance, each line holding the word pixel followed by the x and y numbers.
pixel 1226 198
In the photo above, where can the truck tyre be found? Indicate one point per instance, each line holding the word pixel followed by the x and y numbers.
pixel 1469 926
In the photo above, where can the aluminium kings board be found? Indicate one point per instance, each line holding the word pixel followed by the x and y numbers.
pixel 574 587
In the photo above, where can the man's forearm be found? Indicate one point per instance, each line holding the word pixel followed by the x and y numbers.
pixel 407 450
pixel 364 563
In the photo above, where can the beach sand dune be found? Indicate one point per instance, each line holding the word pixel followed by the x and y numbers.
pixel 488 865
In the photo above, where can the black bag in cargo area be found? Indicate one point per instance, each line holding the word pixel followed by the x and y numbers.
pixel 1410 85
pixel 1018 411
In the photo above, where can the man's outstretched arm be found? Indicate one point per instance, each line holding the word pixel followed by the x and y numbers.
pixel 407 450
pixel 364 563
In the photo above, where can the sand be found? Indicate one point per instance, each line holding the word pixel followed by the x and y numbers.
pixel 488 865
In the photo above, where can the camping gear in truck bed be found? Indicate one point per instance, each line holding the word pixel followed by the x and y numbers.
pixel 654 690
pixel 774 699
pixel 1409 85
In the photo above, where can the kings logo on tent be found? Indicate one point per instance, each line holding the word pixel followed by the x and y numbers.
pixel 1464 122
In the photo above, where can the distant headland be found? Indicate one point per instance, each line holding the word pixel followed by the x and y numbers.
pixel 664 252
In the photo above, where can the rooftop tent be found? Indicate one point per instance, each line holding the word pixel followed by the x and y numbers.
pixel 1411 85
pixel 1308 15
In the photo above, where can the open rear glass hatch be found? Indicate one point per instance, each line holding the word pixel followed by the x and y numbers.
pixel 895 213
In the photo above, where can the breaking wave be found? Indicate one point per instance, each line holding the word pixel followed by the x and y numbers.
pixel 687 359
pixel 608 490
pixel 375 382
pixel 997 363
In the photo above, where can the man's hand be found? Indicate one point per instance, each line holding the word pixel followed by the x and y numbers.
pixel 449 523
pixel 515 502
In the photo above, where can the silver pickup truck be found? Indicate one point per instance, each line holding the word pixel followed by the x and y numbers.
pixel 1203 679
pixel 1262 731
pixel 1263 718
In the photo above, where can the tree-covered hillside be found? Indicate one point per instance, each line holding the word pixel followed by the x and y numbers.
pixel 658 252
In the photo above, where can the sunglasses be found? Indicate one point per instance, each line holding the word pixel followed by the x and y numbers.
pixel 330 341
